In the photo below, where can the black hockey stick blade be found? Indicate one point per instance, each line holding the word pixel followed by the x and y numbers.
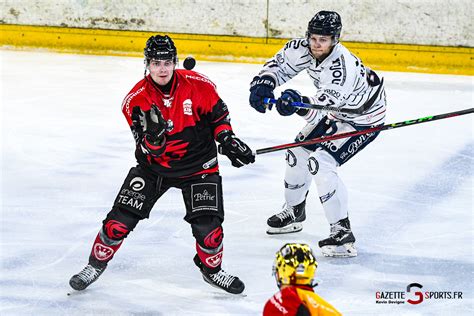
pixel 365 131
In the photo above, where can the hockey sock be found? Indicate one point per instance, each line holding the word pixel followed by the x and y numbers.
pixel 103 249
pixel 210 258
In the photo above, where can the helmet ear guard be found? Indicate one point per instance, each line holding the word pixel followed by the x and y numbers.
pixel 295 264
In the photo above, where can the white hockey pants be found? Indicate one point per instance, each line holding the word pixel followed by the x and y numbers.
pixel 303 166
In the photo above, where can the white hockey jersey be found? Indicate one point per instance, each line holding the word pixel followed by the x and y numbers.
pixel 341 81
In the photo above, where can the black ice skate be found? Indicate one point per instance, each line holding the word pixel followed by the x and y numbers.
pixel 86 277
pixel 221 279
pixel 287 221
pixel 340 242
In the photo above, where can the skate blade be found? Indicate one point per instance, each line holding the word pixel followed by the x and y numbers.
pixel 344 251
pixel 292 228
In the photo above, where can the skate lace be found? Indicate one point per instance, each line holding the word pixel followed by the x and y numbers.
pixel 89 273
pixel 222 278
pixel 336 229
pixel 287 212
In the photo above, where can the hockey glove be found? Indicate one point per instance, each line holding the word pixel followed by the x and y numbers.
pixel 261 88
pixel 284 106
pixel 150 123
pixel 235 149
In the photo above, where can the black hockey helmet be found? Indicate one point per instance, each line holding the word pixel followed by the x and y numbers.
pixel 325 23
pixel 160 47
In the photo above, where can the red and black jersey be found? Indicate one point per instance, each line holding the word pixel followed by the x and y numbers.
pixel 195 115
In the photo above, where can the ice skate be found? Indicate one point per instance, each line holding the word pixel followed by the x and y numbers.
pixel 287 221
pixel 86 277
pixel 340 242
pixel 220 279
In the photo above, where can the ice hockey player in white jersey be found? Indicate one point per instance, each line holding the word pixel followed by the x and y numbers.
pixel 341 81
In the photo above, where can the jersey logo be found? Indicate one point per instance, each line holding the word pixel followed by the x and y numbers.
pixel 313 165
pixel 215 260
pixel 137 184
pixel 326 197
pixel 168 102
pixel 214 238
pixel 188 107
pixel 102 252
pixel 202 78
pixel 293 186
pixel 116 229
pixel 338 69
pixel 280 59
pixel 291 157
pixel 128 99
pixel 174 150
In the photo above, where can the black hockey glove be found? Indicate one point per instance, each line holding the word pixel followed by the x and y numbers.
pixel 284 106
pixel 235 149
pixel 261 88
pixel 150 123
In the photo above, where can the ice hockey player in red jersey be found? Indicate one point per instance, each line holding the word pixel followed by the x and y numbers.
pixel 294 270
pixel 176 117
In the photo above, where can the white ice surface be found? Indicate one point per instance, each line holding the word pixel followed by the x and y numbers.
pixel 66 149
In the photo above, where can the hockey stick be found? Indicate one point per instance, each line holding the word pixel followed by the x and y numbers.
pixel 365 131
pixel 316 107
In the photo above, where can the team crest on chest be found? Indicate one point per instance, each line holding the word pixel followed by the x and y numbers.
pixel 188 107
pixel 167 102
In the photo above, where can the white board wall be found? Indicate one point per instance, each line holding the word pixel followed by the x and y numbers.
pixel 422 22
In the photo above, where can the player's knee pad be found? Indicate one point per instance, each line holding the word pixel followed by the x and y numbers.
pixel 296 157
pixel 208 231
pixel 115 227
pixel 118 224
pixel 297 177
pixel 296 173
pixel 322 166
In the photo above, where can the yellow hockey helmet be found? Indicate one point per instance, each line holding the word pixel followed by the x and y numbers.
pixel 295 264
